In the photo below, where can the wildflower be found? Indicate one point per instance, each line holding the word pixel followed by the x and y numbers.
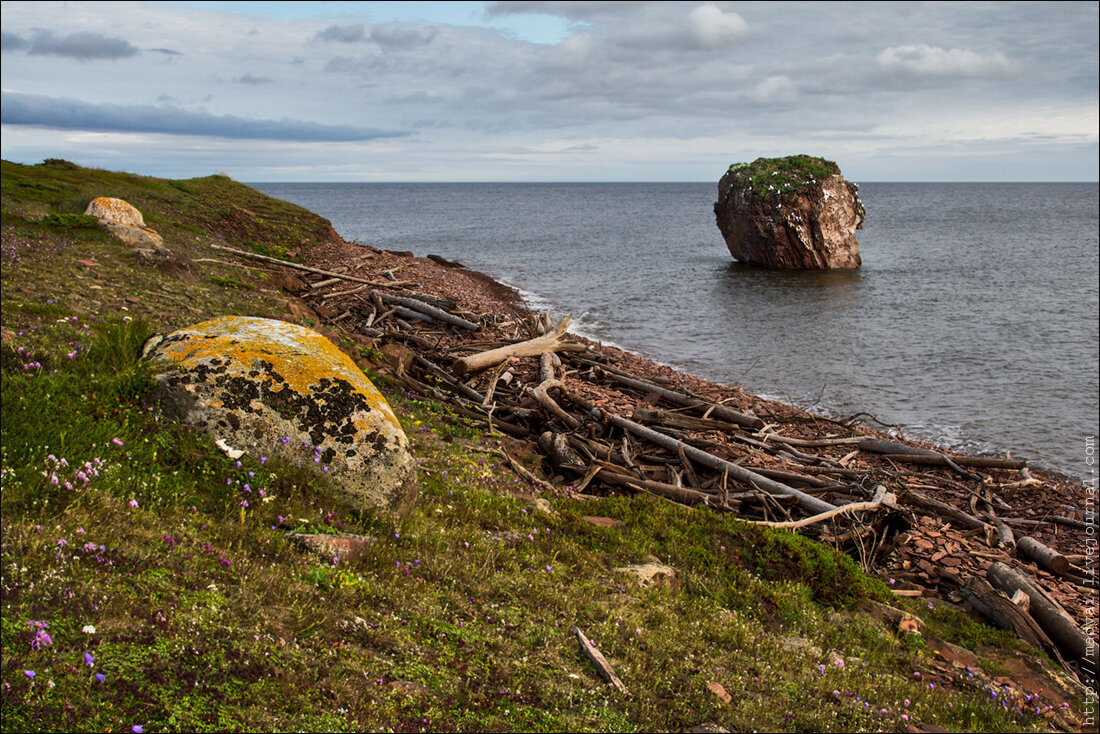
pixel 133 503
pixel 116 441
pixel 88 659
pixel 263 460
pixel 335 560
pixel 548 568
pixel 907 703
pixel 905 717
pixel 100 677
pixel 29 673
pixel 61 542
pixel 88 629
pixel 821 669
pixel 916 674
pixel 137 729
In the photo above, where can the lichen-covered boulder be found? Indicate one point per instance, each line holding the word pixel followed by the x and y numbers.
pixel 125 222
pixel 796 213
pixel 271 387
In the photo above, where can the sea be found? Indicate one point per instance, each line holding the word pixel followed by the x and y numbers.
pixel 972 324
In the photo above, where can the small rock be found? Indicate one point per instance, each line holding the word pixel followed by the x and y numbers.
pixel 543 505
pixel 708 727
pixel 720 692
pixel 800 646
pixel 410 689
pixel 602 522
pixel 348 548
pixel 653 574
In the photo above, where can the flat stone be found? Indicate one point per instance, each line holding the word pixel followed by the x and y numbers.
pixel 348 548
pixel 602 522
pixel 653 574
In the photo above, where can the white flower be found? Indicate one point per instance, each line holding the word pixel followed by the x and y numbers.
pixel 88 629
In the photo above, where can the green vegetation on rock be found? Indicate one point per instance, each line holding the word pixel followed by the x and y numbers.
pixel 778 177
pixel 149 580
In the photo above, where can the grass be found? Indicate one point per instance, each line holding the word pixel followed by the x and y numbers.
pixel 779 178
pixel 149 580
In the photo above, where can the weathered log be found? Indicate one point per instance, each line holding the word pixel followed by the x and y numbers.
pixel 738 473
pixel 719 411
pixel 540 394
pixel 977 462
pixel 683 495
pixel 1055 621
pixel 790 476
pixel 1048 558
pixel 1006 615
pixel 1005 537
pixel 550 342
pixel 436 313
pixel 944 509
pixel 308 269
pixel 556 446
pixel 598 660
pixel 409 313
pixel 881 498
pixel 679 420
pixel 882 446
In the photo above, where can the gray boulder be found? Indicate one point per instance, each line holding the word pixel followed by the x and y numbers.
pixel 270 387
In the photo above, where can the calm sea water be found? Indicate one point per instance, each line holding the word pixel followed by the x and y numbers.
pixel 973 322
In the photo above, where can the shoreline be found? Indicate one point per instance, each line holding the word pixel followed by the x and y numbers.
pixel 949 538
pixel 934 436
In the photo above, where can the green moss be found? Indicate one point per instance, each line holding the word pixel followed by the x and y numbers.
pixel 71 221
pixel 780 178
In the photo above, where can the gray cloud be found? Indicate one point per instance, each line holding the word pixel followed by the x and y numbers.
pixel 12 42
pixel 578 10
pixel 165 51
pixel 69 114
pixel 401 35
pixel 82 45
pixel 927 61
pixel 347 33
pixel 254 80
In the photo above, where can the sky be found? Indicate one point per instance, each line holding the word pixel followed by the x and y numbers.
pixel 553 91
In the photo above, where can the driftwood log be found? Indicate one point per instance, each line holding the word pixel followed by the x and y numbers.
pixel 1050 615
pixel 1001 611
pixel 1049 559
pixel 718 411
pixel 738 473
pixel 600 662
pixel 549 342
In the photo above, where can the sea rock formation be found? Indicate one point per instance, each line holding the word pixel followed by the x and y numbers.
pixel 125 222
pixel 792 213
pixel 270 387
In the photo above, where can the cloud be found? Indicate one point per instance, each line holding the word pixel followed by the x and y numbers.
pixel 82 45
pixel 165 51
pixel 937 62
pixel 254 80
pixel 12 42
pixel 347 33
pixel 712 27
pixel 578 10
pixel 70 114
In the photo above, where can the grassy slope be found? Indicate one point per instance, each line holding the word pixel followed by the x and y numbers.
pixel 199 613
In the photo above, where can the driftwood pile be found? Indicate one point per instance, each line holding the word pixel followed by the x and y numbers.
pixel 962 528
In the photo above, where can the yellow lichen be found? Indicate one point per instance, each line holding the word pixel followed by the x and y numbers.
pixel 300 355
